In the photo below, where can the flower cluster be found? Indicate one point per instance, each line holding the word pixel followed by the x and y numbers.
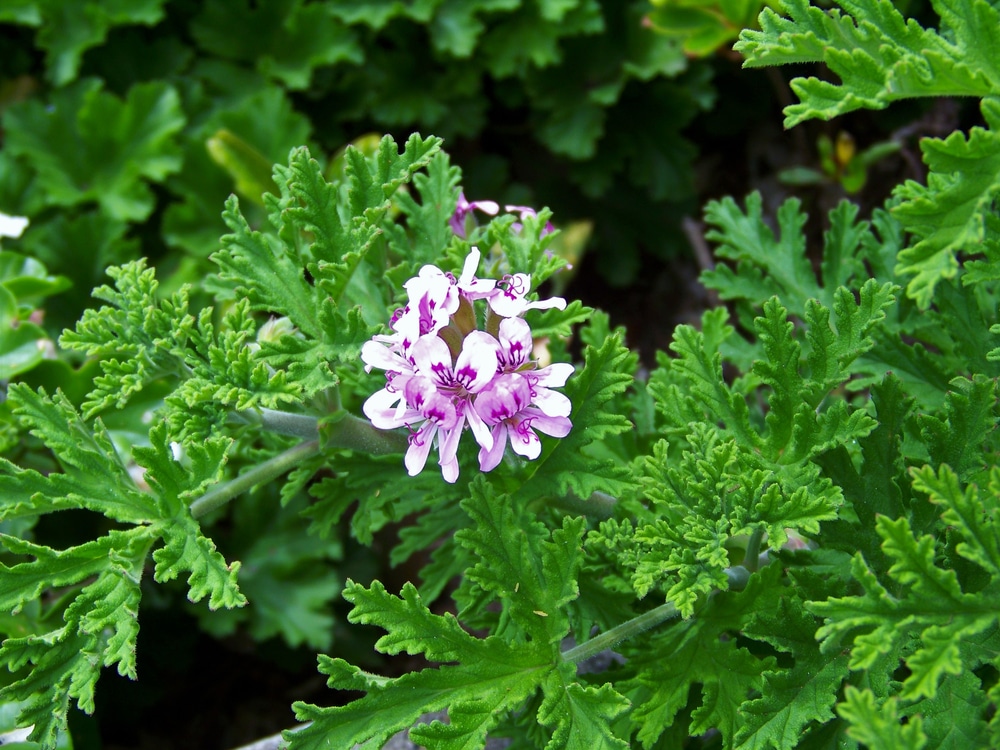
pixel 443 374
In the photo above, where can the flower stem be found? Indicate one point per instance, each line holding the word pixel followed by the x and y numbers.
pixel 265 472
pixel 344 430
pixel 751 558
pixel 619 633
pixel 355 433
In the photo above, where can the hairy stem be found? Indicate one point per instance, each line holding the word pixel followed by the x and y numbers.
pixel 619 633
pixel 738 577
pixel 359 434
pixel 349 431
pixel 265 472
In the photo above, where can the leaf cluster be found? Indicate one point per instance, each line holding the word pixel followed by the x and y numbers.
pixel 881 57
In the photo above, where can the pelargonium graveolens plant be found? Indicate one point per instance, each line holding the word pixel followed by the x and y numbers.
pixel 784 532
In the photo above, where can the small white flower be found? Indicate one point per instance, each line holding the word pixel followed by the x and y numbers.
pixel 12 226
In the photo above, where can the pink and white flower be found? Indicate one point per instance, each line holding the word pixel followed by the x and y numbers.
pixel 509 298
pixel 443 374
pixel 506 405
pixel 464 208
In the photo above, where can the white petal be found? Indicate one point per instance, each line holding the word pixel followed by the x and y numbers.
pixel 420 447
pixel 525 442
pixel 489 459
pixel 554 375
pixel 479 428
pixel 552 403
pixel 12 226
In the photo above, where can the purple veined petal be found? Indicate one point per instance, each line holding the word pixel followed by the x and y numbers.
pixel 383 410
pixel 375 354
pixel 553 426
pixel 490 458
pixel 551 403
pixel 477 362
pixel 463 208
pixel 515 343
pixel 555 375
pixel 508 298
pixel 420 447
pixel 505 397
pixel 523 439
pixel 422 394
pixel 480 430
pixel 432 359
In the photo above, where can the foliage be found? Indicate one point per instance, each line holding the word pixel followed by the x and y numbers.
pixel 144 116
pixel 881 57
pixel 705 27
pixel 784 533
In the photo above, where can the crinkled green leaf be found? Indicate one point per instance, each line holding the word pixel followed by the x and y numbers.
pixel 285 40
pixel 878 727
pixel 491 677
pixel 878 55
pixel 950 214
pixel 564 464
pixel 68 29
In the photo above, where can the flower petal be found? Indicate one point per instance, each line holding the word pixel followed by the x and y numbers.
pixel 555 375
pixel 420 447
pixel 490 458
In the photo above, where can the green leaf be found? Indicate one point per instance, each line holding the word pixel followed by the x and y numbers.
pixel 878 727
pixel 949 215
pixel 878 55
pixel 957 437
pixel 267 273
pixel 792 699
pixel 697 651
pixel 564 464
pixel 68 29
pixel 491 678
pixel 285 40
pixel 533 579
pixel 91 146
pixel 976 522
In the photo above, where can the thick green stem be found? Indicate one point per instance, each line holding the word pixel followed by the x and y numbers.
pixel 619 633
pixel 351 432
pixel 355 433
pixel 265 472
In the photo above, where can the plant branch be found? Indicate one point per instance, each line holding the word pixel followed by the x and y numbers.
pixel 738 577
pixel 355 433
pixel 344 430
pixel 620 632
pixel 265 472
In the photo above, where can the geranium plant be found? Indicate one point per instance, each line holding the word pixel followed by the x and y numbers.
pixel 784 534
